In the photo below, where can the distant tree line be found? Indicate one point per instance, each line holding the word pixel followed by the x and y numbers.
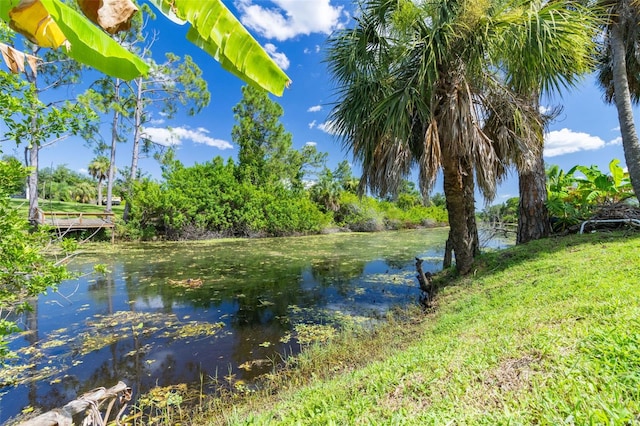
pixel 271 190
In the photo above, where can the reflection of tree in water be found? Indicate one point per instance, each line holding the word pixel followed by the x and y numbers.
pixel 337 273
pixel 397 262
pixel 260 288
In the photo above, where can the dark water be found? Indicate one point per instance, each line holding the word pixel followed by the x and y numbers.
pixel 195 312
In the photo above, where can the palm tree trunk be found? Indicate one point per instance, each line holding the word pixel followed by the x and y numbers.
pixel 463 234
pixel 622 98
pixel 468 186
pixel 533 216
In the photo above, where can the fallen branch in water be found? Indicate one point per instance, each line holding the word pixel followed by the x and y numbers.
pixel 88 403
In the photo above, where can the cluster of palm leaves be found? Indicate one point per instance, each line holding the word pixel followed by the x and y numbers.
pixel 453 86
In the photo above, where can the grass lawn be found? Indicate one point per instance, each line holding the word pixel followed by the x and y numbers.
pixel 545 333
pixel 60 206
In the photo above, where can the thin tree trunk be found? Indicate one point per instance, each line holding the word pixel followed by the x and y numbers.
pixel 533 216
pixel 32 179
pixel 114 141
pixel 137 127
pixel 622 97
pixel 34 216
pixel 460 225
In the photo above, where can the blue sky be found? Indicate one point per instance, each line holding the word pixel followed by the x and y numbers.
pixel 294 33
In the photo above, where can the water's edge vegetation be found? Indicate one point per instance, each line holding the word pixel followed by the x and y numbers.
pixel 545 333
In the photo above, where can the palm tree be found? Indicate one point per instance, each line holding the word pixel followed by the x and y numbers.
pixel 619 74
pixel 99 169
pixel 416 83
pixel 557 55
pixel 326 191
pixel 83 192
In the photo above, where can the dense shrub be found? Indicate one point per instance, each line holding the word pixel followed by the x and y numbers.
pixel 573 198
pixel 368 214
pixel 207 200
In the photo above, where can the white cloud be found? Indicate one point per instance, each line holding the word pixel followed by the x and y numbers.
pixel 544 109
pixel 279 57
pixel 565 141
pixel 83 171
pixel 616 141
pixel 312 124
pixel 311 144
pixel 287 19
pixel 315 108
pixel 328 127
pixel 316 49
pixel 175 135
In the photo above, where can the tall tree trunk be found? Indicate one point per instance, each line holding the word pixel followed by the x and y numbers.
pixel 462 231
pixel 32 185
pixel 137 128
pixel 114 141
pixel 622 98
pixel 533 216
pixel 32 182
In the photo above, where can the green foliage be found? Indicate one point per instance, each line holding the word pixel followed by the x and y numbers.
pixel 150 211
pixel 438 199
pixel 62 184
pixel 506 212
pixel 10 180
pixel 207 200
pixel 326 191
pixel 264 194
pixel 42 122
pixel 335 193
pixel 573 199
pixel 24 270
pixel 265 147
pixel 359 213
pixel 369 214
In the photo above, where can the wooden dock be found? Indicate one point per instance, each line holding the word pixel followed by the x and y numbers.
pixel 64 222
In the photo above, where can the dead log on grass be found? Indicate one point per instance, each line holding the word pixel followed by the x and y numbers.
pixel 89 404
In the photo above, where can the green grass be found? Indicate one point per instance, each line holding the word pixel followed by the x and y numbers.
pixel 545 333
pixel 61 206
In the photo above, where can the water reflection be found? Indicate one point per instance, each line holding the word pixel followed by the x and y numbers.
pixel 140 325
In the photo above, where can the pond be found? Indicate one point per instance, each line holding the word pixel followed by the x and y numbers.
pixel 205 312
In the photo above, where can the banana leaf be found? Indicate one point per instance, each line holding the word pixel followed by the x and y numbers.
pixel 89 44
pixel 215 30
